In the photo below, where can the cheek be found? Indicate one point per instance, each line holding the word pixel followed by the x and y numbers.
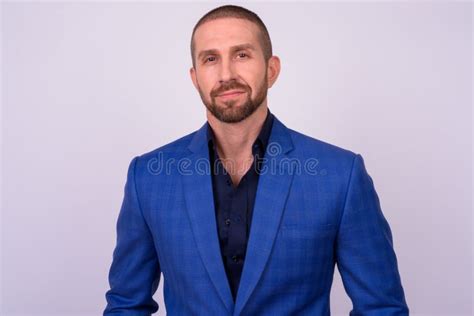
pixel 206 82
pixel 257 83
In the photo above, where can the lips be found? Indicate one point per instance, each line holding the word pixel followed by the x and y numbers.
pixel 231 93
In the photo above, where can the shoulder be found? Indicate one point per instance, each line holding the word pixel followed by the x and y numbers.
pixel 326 166
pixel 325 153
pixel 176 148
pixel 170 153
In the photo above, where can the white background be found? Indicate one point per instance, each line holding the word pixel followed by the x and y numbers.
pixel 88 86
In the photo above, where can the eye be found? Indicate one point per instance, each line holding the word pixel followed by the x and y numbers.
pixel 209 59
pixel 242 55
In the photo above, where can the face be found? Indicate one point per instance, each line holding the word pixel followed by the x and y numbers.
pixel 230 72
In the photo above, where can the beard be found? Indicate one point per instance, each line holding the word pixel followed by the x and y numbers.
pixel 230 111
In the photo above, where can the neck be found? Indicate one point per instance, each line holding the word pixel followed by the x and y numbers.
pixel 234 140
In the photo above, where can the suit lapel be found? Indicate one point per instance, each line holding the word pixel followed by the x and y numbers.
pixel 200 206
pixel 273 187
pixel 274 183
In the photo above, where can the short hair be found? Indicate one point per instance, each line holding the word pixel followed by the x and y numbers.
pixel 233 11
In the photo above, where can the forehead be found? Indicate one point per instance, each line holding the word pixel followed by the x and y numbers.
pixel 225 32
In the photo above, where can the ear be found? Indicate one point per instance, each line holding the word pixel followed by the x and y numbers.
pixel 273 70
pixel 192 72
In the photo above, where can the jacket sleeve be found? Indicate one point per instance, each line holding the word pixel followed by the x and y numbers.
pixel 135 271
pixel 365 255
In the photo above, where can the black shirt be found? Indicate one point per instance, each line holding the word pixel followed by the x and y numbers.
pixel 234 205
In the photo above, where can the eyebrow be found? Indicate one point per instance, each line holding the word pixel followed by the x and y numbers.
pixel 232 49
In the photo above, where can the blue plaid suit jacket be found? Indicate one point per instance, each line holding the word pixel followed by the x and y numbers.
pixel 316 206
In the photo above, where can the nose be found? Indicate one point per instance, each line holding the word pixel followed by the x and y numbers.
pixel 227 71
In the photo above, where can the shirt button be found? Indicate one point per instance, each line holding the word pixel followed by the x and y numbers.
pixel 235 258
pixel 227 222
pixel 228 182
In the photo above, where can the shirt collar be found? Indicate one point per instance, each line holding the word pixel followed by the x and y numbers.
pixel 262 137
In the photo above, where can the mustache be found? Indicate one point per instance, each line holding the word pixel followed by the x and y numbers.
pixel 230 86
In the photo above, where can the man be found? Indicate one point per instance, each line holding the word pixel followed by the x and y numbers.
pixel 246 216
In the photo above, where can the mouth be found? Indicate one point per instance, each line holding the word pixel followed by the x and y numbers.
pixel 231 94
